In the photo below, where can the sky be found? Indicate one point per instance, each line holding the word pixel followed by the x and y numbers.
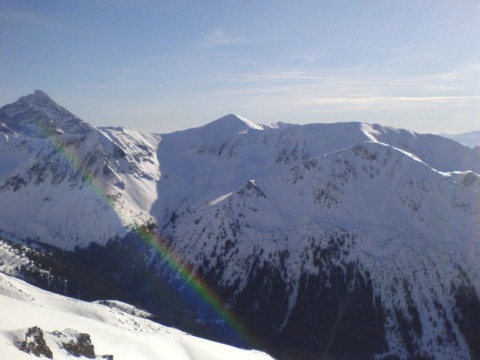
pixel 163 66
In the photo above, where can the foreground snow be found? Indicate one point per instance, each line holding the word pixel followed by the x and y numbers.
pixel 112 331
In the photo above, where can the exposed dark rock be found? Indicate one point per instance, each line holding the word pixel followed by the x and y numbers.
pixel 81 346
pixel 35 344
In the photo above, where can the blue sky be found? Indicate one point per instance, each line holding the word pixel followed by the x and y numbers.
pixel 169 65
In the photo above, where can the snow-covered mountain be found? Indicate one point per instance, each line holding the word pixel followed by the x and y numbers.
pixel 350 240
pixel 37 116
pixel 124 176
pixel 36 323
pixel 369 218
pixel 69 179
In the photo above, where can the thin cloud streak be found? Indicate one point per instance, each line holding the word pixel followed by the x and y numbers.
pixel 463 73
pixel 218 38
pixel 452 84
pixel 305 58
pixel 390 100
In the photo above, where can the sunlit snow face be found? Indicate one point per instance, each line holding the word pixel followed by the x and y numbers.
pixel 200 293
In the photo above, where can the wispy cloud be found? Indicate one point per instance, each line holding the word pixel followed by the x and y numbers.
pixel 351 91
pixel 305 58
pixel 219 38
pixel 294 76
pixel 390 101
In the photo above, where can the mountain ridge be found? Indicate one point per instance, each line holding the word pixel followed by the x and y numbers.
pixel 378 225
pixel 470 139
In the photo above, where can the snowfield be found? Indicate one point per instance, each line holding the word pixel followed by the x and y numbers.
pixel 111 331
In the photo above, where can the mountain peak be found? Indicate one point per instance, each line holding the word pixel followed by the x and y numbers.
pixel 40 99
pixel 39 94
pixel 232 123
pixel 37 115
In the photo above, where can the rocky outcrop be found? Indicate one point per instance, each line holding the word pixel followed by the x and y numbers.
pixel 35 344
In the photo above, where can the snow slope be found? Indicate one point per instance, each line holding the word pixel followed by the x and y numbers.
pixel 405 223
pixel 109 174
pixel 112 331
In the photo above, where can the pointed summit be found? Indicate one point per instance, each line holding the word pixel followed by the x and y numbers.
pixel 37 115
pixel 232 124
pixel 39 94
pixel 210 137
pixel 216 133
pixel 39 99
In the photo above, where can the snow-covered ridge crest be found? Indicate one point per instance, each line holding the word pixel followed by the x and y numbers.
pixel 400 219
pixel 210 137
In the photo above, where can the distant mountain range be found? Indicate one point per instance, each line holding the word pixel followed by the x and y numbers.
pixel 346 240
pixel 470 139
